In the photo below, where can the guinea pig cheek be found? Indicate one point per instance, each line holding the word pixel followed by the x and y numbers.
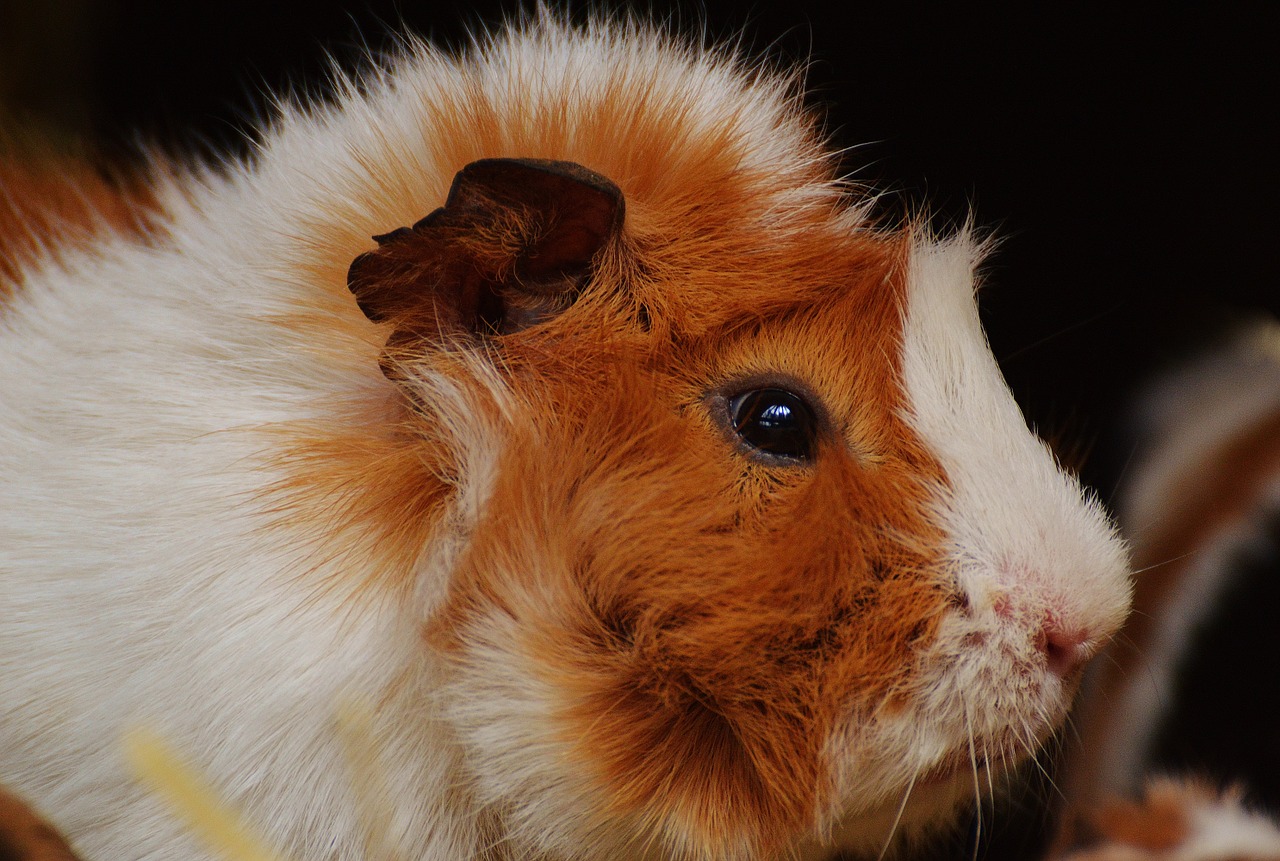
pixel 664 670
pixel 708 699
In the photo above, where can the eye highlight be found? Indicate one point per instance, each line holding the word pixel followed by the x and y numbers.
pixel 775 421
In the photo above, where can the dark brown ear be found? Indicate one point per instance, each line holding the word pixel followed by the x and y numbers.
pixel 24 836
pixel 511 247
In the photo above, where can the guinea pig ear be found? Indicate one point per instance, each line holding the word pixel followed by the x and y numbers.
pixel 511 247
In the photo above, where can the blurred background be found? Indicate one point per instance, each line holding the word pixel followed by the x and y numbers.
pixel 1127 160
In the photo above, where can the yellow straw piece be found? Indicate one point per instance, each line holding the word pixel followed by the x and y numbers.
pixel 161 770
pixel 372 795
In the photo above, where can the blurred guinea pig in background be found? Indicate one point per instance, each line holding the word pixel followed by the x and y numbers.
pixel 560 403
pixel 1188 692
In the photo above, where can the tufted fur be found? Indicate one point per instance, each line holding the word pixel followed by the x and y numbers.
pixel 590 624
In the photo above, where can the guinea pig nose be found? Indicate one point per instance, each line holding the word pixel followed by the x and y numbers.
pixel 1065 649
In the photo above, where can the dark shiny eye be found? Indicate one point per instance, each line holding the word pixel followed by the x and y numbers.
pixel 775 421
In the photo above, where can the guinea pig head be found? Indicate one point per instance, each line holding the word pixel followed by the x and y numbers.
pixel 762 557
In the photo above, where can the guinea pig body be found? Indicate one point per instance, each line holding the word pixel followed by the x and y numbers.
pixel 653 502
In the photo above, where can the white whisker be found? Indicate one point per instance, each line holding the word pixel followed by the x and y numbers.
pixel 977 788
pixel 897 820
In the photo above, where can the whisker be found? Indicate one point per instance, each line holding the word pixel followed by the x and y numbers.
pixel 977 788
pixel 1144 569
pixel 1124 471
pixel 1050 784
pixel 1088 321
pixel 897 820
pixel 1069 726
pixel 986 758
pixel 1007 766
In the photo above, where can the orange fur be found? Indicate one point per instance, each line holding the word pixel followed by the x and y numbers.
pixel 695 698
pixel 25 836
pixel 1158 823
pixel 701 671
pixel 49 200
pixel 1171 821
pixel 677 281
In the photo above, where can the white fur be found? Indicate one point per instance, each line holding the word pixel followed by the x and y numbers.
pixel 1223 828
pixel 1025 544
pixel 146 582
pixel 1023 534
pixel 1214 827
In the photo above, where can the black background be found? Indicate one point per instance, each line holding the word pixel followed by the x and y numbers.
pixel 1126 158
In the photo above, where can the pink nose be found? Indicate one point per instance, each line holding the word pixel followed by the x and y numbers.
pixel 1065 650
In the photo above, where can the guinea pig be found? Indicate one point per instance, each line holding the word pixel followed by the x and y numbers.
pixel 1200 506
pixel 561 406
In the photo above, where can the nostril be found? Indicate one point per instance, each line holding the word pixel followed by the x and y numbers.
pixel 1065 650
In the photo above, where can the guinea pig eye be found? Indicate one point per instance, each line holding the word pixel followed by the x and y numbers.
pixel 774 421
